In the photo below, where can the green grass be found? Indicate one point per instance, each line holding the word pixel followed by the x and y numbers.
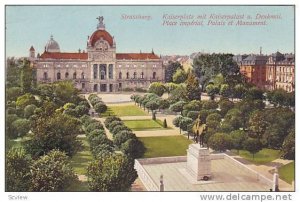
pixel 81 159
pixel 130 110
pixel 165 146
pixel 261 157
pixel 146 124
pixel 287 172
pixel 78 186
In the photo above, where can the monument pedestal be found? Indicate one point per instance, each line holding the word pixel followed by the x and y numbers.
pixel 198 162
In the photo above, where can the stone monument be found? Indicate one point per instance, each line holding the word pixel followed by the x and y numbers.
pixel 198 162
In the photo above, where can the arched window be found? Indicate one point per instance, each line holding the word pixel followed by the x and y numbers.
pixel 45 75
pixel 66 75
pixel 95 87
pixel 134 75
pixel 74 75
pixel 142 75
pixel 154 75
pixel 127 75
pixel 120 75
pixel 58 77
pixel 82 75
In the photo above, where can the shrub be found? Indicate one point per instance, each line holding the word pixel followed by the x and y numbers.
pixel 100 107
pixel 110 119
pixel 114 124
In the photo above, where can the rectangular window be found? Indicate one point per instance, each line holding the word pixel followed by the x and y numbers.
pixel 103 71
pixel 95 71
pixel 110 71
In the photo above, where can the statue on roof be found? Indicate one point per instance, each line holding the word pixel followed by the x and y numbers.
pixel 100 25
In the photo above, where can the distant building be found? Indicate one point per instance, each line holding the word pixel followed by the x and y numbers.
pixel 253 68
pixel 99 68
pixel 281 72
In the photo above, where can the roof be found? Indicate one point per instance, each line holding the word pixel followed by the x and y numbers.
pixel 58 55
pixel 31 48
pixel 84 56
pixel 101 34
pixel 136 56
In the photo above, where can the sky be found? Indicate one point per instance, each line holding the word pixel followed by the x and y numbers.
pixel 71 25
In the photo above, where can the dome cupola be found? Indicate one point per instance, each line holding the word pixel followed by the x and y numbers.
pixel 52 46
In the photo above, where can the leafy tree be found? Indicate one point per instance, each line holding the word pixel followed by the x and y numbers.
pixel 178 106
pixel 157 88
pixel 100 107
pixel 111 173
pixel 194 105
pixel 239 91
pixel 119 128
pixel 26 99
pixel 255 94
pixel 257 124
pixel 21 127
pixel 288 146
pixel 93 126
pixel 17 171
pixel 122 137
pixel 114 124
pixel 13 93
pixel 213 121
pixel 180 76
pixel 171 68
pixel 252 145
pixel 212 90
pixel 58 131
pixel 203 115
pixel 9 128
pixel 225 90
pixel 13 72
pixel 220 142
pixel 26 76
pixel 193 114
pixel 102 150
pixel 233 119
pixel 238 138
pixel 225 105
pixel 134 148
pixel 29 110
pixel 110 119
pixel 170 87
pixel 152 105
pixel 184 122
pixel 176 120
pixel 193 89
pixel 178 94
pixel 81 110
pixel 52 172
pixel 209 104
pixel 163 104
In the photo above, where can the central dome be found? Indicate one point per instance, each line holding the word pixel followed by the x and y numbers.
pixel 52 46
pixel 101 34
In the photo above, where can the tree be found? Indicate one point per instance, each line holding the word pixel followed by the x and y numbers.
pixel 100 107
pixel 13 72
pixel 180 76
pixel 209 104
pixel 9 129
pixel 113 172
pixel 193 89
pixel 110 119
pixel 81 110
pixel 239 91
pixel 178 106
pixel 26 76
pixel 171 68
pixel 178 94
pixel 17 171
pixel 170 87
pixel 157 88
pixel 225 90
pixel 194 105
pixel 13 93
pixel 152 105
pixel 21 127
pixel 238 138
pixel 233 119
pixel 122 137
pixel 133 148
pixel 29 110
pixel 255 94
pixel 252 145
pixel 58 131
pixel 225 105
pixel 288 146
pixel 52 172
pixel 213 121
pixel 184 122
pixel 257 124
pixel 220 142
pixel 26 99
pixel 165 124
pixel 212 90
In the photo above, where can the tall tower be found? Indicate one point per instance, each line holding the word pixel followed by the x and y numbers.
pixel 31 52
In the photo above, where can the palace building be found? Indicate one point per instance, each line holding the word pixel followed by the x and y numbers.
pixel 99 68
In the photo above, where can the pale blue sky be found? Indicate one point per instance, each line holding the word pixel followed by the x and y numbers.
pixel 70 26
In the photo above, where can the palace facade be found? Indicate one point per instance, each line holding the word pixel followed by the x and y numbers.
pixel 99 68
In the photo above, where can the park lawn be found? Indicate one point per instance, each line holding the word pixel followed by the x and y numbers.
pixel 145 124
pixel 81 159
pixel 261 157
pixel 125 110
pixel 287 172
pixel 165 146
